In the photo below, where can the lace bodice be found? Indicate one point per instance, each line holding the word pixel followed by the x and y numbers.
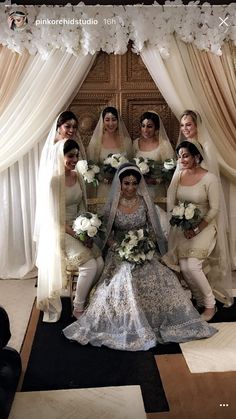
pixel 125 222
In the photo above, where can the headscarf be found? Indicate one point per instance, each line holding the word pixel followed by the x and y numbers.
pixel 95 144
pixel 165 147
pixel 50 228
pixel 113 202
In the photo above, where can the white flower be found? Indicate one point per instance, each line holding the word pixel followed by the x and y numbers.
pixel 169 164
pixel 108 160
pixel 82 166
pixel 92 231
pixel 144 168
pixel 84 224
pixel 95 221
pixel 140 234
pixel 89 176
pixel 77 224
pixel 178 211
pixel 95 168
pixel 122 160
pixel 189 213
pixel 114 162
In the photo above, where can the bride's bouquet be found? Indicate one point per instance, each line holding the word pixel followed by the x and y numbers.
pixel 185 215
pixel 110 165
pixel 89 171
pixel 86 226
pixel 136 247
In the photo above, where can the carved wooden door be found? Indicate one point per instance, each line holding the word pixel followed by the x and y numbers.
pixel 124 82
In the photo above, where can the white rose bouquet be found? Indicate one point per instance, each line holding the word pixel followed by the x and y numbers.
pixel 168 169
pixel 136 247
pixel 89 171
pixel 186 216
pixel 86 226
pixel 111 164
pixel 142 164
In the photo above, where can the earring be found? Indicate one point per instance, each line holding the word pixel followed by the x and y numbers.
pixel 197 160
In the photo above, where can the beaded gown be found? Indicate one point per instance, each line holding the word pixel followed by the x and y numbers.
pixel 135 307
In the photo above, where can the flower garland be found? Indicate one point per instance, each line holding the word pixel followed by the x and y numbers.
pixel 88 29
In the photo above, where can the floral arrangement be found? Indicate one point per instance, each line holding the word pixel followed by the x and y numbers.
pixel 87 225
pixel 142 163
pixel 136 247
pixel 110 165
pixel 89 171
pixel 155 170
pixel 86 29
pixel 168 168
pixel 185 215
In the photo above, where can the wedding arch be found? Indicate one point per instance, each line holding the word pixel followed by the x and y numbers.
pixel 43 67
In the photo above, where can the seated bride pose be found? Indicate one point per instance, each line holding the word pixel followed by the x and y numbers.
pixel 135 306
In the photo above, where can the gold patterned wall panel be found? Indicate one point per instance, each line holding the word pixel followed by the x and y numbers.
pixel 134 74
pixel 124 82
pixel 103 74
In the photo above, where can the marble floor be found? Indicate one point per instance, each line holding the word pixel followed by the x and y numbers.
pixel 190 396
pixel 92 403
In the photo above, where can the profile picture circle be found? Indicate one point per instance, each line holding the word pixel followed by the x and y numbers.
pixel 17 20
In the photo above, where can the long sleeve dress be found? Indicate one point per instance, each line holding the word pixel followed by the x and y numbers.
pixel 135 307
pixel 205 195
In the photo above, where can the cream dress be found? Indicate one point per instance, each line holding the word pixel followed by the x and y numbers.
pixel 76 253
pixel 103 189
pixel 205 196
pixel 161 153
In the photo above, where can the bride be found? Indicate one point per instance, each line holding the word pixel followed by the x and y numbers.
pixel 134 307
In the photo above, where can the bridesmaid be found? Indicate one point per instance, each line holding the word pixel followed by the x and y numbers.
pixel 110 137
pixel 155 145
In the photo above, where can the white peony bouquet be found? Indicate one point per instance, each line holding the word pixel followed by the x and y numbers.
pixel 185 215
pixel 87 225
pixel 89 171
pixel 142 163
pixel 168 169
pixel 136 247
pixel 155 171
pixel 110 165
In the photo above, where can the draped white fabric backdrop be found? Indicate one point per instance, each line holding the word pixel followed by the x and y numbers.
pixel 177 80
pixel 43 90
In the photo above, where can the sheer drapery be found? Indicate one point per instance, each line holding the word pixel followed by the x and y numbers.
pixel 186 83
pixel 25 124
pixel 11 67
pixel 43 91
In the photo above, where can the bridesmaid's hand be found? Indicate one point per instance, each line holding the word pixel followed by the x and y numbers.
pixel 88 242
pixel 150 180
pixel 189 234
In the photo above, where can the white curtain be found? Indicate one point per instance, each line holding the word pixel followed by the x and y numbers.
pixel 176 79
pixel 44 90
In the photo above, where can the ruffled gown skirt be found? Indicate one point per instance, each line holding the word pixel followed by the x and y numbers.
pixel 135 308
